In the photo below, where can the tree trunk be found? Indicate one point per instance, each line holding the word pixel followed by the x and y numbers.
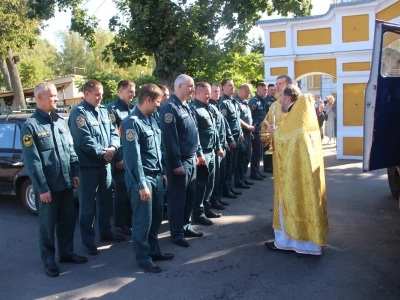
pixel 4 71
pixel 19 98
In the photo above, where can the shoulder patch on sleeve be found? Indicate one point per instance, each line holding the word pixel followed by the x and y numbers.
pixel 168 117
pixel 28 140
pixel 112 117
pixel 130 135
pixel 224 112
pixel 80 121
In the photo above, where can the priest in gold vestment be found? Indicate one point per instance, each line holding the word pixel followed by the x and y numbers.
pixel 300 218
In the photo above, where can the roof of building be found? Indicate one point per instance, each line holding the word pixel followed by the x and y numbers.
pixel 331 7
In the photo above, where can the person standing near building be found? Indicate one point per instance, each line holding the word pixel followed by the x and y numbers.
pixel 96 141
pixel 300 218
pixel 231 111
pixel 258 111
pixel 227 141
pixel 141 141
pixel 245 146
pixel 53 167
pixel 119 109
pixel 181 143
pixel 269 99
pixel 211 146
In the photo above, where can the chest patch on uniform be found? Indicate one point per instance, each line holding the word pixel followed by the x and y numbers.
pixel 130 135
pixel 168 117
pixel 224 112
pixel 28 140
pixel 112 118
pixel 80 121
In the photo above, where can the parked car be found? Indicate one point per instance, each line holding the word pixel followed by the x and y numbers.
pixel 14 178
pixel 382 106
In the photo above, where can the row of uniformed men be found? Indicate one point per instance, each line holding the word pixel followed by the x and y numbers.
pixel 53 165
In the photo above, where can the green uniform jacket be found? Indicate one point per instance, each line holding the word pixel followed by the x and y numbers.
pixel 48 152
pixel 141 140
pixel 92 131
pixel 231 111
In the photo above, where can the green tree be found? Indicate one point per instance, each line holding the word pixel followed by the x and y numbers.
pixel 174 31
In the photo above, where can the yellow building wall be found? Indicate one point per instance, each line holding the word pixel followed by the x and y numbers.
pixel 311 37
pixel 355 28
pixel 277 39
pixel 389 13
pixel 327 66
pixel 353 146
pixel 279 71
pixel 356 66
pixel 353 104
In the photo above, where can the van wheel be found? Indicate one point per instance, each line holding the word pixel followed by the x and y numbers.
pixel 394 181
pixel 28 196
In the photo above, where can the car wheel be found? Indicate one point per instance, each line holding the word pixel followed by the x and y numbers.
pixel 394 181
pixel 28 196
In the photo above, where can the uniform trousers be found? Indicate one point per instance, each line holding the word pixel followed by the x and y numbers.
pixel 147 218
pixel 95 201
pixel 202 202
pixel 180 197
pixel 231 163
pixel 57 216
pixel 255 154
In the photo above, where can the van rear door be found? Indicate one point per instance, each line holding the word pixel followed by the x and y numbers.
pixel 382 100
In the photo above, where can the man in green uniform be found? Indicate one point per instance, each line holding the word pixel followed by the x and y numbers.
pixel 119 109
pixel 227 141
pixel 96 141
pixel 210 145
pixel 245 146
pixel 54 170
pixel 141 141
pixel 231 111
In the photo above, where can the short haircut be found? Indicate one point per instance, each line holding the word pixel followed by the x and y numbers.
pixel 214 84
pixel 125 83
pixel 271 85
pixel 162 87
pixel 245 86
pixel 287 78
pixel 41 88
pixel 183 78
pixel 149 90
pixel 263 84
pixel 90 85
pixel 202 85
pixel 225 81
pixel 292 91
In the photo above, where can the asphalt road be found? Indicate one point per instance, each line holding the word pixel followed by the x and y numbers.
pixel 361 261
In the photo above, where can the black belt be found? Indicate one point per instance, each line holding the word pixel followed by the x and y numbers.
pixel 152 173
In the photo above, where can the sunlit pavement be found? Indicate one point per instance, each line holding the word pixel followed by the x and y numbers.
pixel 361 260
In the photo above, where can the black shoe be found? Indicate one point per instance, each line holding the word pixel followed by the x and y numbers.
pixel 125 230
pixel 268 170
pixel 228 194
pixel 220 201
pixel 256 177
pixel 242 186
pixel 150 267
pixel 248 182
pixel 271 246
pixel 203 221
pixel 162 256
pixel 263 176
pixel 235 192
pixel 51 270
pixel 192 233
pixel 73 259
pixel 217 205
pixel 112 237
pixel 212 214
pixel 91 249
pixel 182 243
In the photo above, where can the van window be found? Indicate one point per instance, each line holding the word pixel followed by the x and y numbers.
pixel 7 135
pixel 390 63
